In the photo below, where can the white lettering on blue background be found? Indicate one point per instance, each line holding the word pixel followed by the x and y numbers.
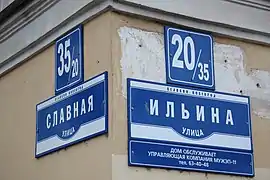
pixel 215 115
pixel 170 109
pixel 76 109
pixel 83 110
pixel 90 103
pixel 62 119
pixel 67 112
pixel 185 113
pixel 193 157
pixel 48 121
pixel 68 132
pixel 153 107
pixel 55 118
pixel 229 118
pixel 200 114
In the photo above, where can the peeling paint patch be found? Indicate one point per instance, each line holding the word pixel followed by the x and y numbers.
pixel 233 77
pixel 143 58
pixel 142 55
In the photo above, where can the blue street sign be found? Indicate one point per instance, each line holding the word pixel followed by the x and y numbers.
pixel 167 117
pixel 73 116
pixel 189 58
pixel 189 158
pixel 69 60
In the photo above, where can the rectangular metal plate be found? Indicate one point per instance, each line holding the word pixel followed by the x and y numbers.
pixel 162 117
pixel 73 116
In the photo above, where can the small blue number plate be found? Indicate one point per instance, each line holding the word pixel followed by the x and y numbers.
pixel 189 58
pixel 69 60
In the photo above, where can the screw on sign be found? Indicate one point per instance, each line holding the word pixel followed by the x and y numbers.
pixel 189 58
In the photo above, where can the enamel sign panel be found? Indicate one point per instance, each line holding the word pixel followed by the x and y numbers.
pixel 69 60
pixel 189 58
pixel 73 116
pixel 188 128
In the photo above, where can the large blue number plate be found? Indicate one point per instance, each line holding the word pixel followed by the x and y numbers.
pixel 189 58
pixel 69 60
pixel 73 116
pixel 212 129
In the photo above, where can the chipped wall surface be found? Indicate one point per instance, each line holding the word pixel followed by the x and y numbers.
pixel 141 45
pixel 143 58
pixel 233 75
pixel 142 55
